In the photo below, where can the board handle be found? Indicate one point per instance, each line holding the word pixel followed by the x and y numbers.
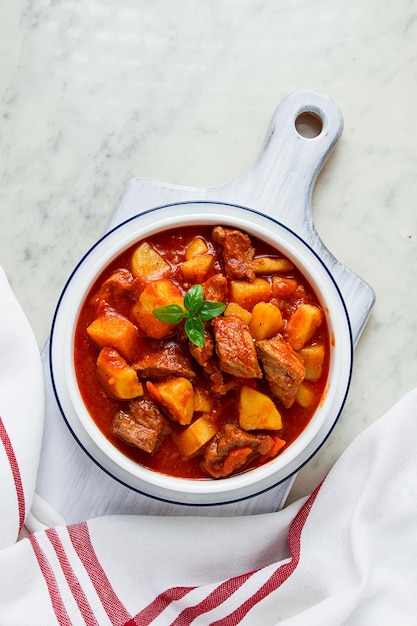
pixel 303 132
pixel 301 136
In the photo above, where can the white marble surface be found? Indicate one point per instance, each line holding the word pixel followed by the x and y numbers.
pixel 95 93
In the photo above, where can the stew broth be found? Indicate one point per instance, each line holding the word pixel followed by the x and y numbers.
pixel 289 291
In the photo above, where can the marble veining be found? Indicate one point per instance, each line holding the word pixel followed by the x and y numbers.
pixel 93 94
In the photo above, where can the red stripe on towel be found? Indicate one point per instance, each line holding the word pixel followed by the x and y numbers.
pixel 51 583
pixel 115 609
pixel 151 612
pixel 213 600
pixel 281 574
pixel 226 589
pixel 71 578
pixel 14 466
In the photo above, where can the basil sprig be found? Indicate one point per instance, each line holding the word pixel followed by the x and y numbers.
pixel 197 311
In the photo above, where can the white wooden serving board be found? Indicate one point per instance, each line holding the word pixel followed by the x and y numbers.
pixel 279 184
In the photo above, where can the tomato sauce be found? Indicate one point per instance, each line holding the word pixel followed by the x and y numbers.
pixel 102 407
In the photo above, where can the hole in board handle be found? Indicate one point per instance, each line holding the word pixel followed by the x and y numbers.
pixel 309 125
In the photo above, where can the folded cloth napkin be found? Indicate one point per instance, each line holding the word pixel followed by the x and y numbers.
pixel 345 555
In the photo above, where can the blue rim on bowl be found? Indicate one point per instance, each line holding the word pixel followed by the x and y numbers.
pixel 154 484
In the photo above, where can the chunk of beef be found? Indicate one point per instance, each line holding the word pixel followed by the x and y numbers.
pixel 220 383
pixel 215 288
pixel 116 295
pixel 143 425
pixel 121 282
pixel 232 449
pixel 284 369
pixel 165 359
pixel 235 347
pixel 204 354
pixel 237 253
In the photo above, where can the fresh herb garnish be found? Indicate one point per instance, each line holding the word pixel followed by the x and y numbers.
pixel 197 311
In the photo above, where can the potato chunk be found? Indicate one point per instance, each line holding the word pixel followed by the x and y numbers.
pixel 147 264
pixel 157 293
pixel 283 287
pixel 270 265
pixel 257 411
pixel 313 357
pixel 196 247
pixel 235 310
pixel 117 377
pixel 176 396
pixel 305 395
pixel 195 436
pixel 302 325
pixel 116 331
pixel 266 321
pixel 202 400
pixel 197 269
pixel 248 294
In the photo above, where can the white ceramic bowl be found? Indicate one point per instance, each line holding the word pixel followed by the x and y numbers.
pixel 185 491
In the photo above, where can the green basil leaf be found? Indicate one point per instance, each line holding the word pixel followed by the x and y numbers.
pixel 193 299
pixel 194 329
pixel 171 314
pixel 208 310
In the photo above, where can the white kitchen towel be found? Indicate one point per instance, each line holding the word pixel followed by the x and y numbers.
pixel 345 555
pixel 21 414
